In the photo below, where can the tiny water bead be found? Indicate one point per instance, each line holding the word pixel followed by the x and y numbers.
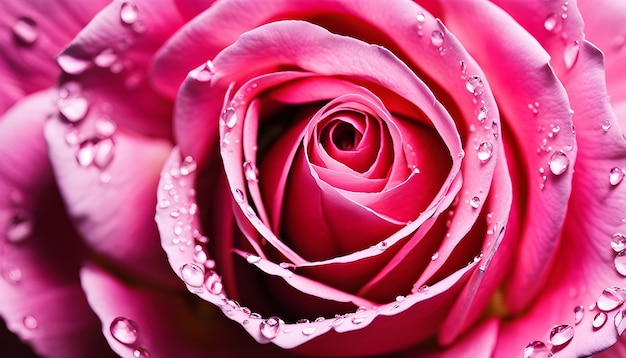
pixel 616 175
pixel 192 274
pixel 551 22
pixel 204 72
pixel 105 58
pixel 475 85
pixel 72 103
pixel 251 171
pixel 20 228
pixel 420 18
pixel 579 314
pixel 561 334
pixel 485 151
pixel 124 330
pixel 105 126
pixel 129 13
pixel 537 349
pixel 474 202
pixel 214 283
pixel 30 322
pixel 611 298
pixel 270 327
pixel 606 125
pixel 188 166
pixel 25 31
pixel 570 54
pixel 229 117
pixel 599 320
pixel 559 163
pixel 12 274
pixel 141 352
pixel 436 38
pixel 618 242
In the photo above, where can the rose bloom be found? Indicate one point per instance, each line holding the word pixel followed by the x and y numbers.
pixel 319 178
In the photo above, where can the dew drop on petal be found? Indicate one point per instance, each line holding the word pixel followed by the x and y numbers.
pixel 105 126
pixel 20 228
pixel 474 202
pixel 536 349
pixel 214 283
pixel 570 54
pixel 475 85
pixel 620 263
pixel 104 150
pixel 141 352
pixel 124 330
pixel 420 17
pixel 559 162
pixel 30 322
pixel 251 171
pixel 551 22
pixel 270 327
pixel 105 58
pixel 436 38
pixel 561 334
pixel 253 259
pixel 188 166
pixel 579 313
pixel 192 274
pixel 618 242
pixel 611 298
pixel 229 117
pixel 73 65
pixel 73 108
pixel 485 151
pixel 606 125
pixel 616 175
pixel 25 31
pixel 86 153
pixel 239 196
pixel 203 73
pixel 434 256
pixel 129 13
pixel 599 320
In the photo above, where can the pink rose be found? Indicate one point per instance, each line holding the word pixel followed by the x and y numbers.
pixel 330 178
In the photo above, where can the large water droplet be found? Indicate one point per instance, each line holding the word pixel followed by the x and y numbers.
pixel 420 17
pixel 570 54
pixel 599 320
pixel 30 322
pixel 436 38
pixel 129 13
pixel 270 327
pixel 72 104
pixel 561 334
pixel 616 175
pixel 124 330
pixel 25 31
pixel 192 274
pixel 559 162
pixel 20 228
pixel 551 22
pixel 618 242
pixel 536 349
pixel 251 171
pixel 86 153
pixel 475 85
pixel 579 313
pixel 229 117
pixel 73 65
pixel 611 298
pixel 485 151
pixel 620 263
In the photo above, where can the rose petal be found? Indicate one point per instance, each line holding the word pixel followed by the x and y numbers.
pixel 479 342
pixel 111 198
pixel 41 298
pixel 33 33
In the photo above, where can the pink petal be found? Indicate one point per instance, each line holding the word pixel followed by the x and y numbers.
pixel 479 342
pixel 41 253
pixel 110 58
pixel 109 185
pixel 534 84
pixel 33 33
pixel 190 9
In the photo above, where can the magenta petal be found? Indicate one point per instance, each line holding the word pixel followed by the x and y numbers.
pixel 478 343
pixel 111 198
pixel 40 253
pixel 33 33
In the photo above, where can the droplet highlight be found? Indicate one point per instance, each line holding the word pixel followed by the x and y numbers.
pixel 129 13
pixel 124 330
pixel 270 327
pixel 537 349
pixel 579 314
pixel 436 38
pixel 616 175
pixel 192 274
pixel 25 31
pixel 570 54
pixel 599 320
pixel 485 151
pixel 475 85
pixel 561 334
pixel 611 298
pixel 559 163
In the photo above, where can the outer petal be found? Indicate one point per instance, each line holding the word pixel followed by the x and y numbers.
pixel 40 253
pixel 31 34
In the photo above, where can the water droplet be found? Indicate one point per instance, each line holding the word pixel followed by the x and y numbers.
pixel 611 298
pixel 86 153
pixel 203 73
pixel 475 85
pixel 104 150
pixel 434 256
pixel 129 13
pixel 579 313
pixel 73 65
pixel 616 175
pixel 570 54
pixel 559 162
pixel 12 274
pixel 188 166
pixel 253 259
pixel 485 151
pixel 474 202
pixel 620 263
pixel 141 352
pixel 420 17
pixel 551 22
pixel 25 31
pixel 124 330
pixel 270 327
pixel 239 196
pixel 561 334
pixel 229 117
pixel 105 126
pixel 606 125
pixel 537 349
pixel 251 171
pixel 214 283
pixel 618 242
pixel 382 246
pixel 482 113
pixel 423 289
pixel 436 38
pixel 30 322
pixel 105 58
pixel 72 104
pixel 307 331
pixel 200 256
pixel 192 274
pixel 20 228
pixel 599 320
pixel 461 154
